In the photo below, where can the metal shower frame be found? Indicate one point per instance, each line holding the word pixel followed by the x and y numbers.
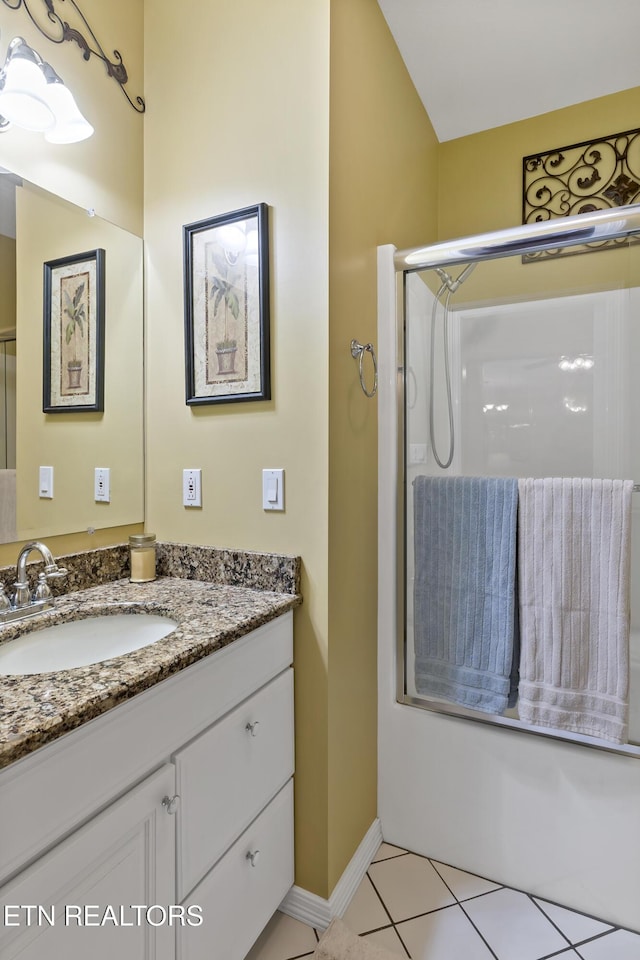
pixel 602 225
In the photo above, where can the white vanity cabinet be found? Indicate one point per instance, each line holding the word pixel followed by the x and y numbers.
pixel 57 908
pixel 82 820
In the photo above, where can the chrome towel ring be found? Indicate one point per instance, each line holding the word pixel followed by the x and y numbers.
pixel 358 351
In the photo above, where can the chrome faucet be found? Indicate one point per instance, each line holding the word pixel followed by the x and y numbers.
pixel 23 603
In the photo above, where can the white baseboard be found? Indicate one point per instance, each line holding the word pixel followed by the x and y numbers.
pixel 318 912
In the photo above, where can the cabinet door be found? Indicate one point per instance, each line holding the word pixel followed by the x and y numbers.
pixel 245 888
pixel 124 857
pixel 229 773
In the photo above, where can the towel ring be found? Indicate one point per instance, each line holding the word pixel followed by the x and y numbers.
pixel 358 351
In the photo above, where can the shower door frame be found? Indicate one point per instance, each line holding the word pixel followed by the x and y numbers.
pixel 620 223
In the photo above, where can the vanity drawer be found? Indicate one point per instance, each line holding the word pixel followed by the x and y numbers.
pixel 229 773
pixel 238 897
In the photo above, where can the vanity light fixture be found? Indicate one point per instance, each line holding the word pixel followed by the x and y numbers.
pixel 33 96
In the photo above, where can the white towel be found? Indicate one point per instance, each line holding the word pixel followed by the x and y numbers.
pixel 574 559
pixel 7 506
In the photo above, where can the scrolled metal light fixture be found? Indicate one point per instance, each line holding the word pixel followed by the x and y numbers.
pixel 62 31
pixel 33 96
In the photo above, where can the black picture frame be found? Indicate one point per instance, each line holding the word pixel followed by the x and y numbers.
pixel 74 333
pixel 227 307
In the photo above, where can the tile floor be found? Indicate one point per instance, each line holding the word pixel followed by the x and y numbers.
pixel 425 910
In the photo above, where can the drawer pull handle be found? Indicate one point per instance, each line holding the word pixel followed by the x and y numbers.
pixel 251 728
pixel 253 857
pixel 171 804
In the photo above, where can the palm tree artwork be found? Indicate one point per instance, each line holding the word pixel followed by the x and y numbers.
pixel 74 311
pixel 225 292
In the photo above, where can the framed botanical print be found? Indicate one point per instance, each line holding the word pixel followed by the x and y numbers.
pixel 74 310
pixel 226 281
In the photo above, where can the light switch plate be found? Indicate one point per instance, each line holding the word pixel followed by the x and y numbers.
pixel 273 489
pixel 45 488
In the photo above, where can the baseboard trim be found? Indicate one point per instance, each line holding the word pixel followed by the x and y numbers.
pixel 318 912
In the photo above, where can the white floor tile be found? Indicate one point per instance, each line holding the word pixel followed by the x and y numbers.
pixel 464 885
pixel 386 850
pixel 619 945
pixel 388 939
pixel 575 926
pixel 443 935
pixel 283 938
pixel 409 886
pixel 513 926
pixel 365 912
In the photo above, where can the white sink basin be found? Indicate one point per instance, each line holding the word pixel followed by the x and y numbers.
pixel 81 642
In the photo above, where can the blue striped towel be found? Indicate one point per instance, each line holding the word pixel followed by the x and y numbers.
pixel 465 611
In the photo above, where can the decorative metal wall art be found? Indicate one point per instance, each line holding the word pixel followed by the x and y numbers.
pixel 58 30
pixel 580 178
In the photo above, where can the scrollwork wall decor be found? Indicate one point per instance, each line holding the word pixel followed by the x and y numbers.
pixel 58 30
pixel 580 178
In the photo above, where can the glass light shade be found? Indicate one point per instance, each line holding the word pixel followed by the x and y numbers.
pixel 70 126
pixel 23 98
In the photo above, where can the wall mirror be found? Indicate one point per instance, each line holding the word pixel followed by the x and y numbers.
pixel 37 227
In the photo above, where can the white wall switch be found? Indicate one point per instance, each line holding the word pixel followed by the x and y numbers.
pixel 273 489
pixel 192 488
pixel 102 485
pixel 45 488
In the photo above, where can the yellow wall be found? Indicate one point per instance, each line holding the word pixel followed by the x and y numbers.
pixel 480 186
pixel 245 120
pixel 383 182
pixel 75 443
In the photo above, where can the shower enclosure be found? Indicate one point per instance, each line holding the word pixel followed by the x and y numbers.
pixel 507 355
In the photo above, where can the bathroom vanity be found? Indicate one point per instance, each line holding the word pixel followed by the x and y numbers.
pixel 160 825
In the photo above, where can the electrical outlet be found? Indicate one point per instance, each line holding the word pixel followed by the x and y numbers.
pixel 191 488
pixel 102 485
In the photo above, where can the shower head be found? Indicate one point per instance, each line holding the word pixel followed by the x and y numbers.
pixel 451 284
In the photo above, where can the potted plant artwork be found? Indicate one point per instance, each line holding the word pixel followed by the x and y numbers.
pixel 225 293
pixel 226 307
pixel 74 311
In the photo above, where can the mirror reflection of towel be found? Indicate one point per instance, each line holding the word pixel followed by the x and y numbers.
pixel 465 612
pixel 7 506
pixel 574 562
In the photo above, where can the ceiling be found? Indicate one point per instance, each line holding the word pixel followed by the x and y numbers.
pixel 478 64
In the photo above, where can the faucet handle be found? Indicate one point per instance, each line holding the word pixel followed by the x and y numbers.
pixel 53 572
pixel 5 603
pixel 22 595
pixel 42 591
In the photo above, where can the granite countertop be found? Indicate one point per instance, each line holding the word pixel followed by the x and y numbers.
pixel 36 709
